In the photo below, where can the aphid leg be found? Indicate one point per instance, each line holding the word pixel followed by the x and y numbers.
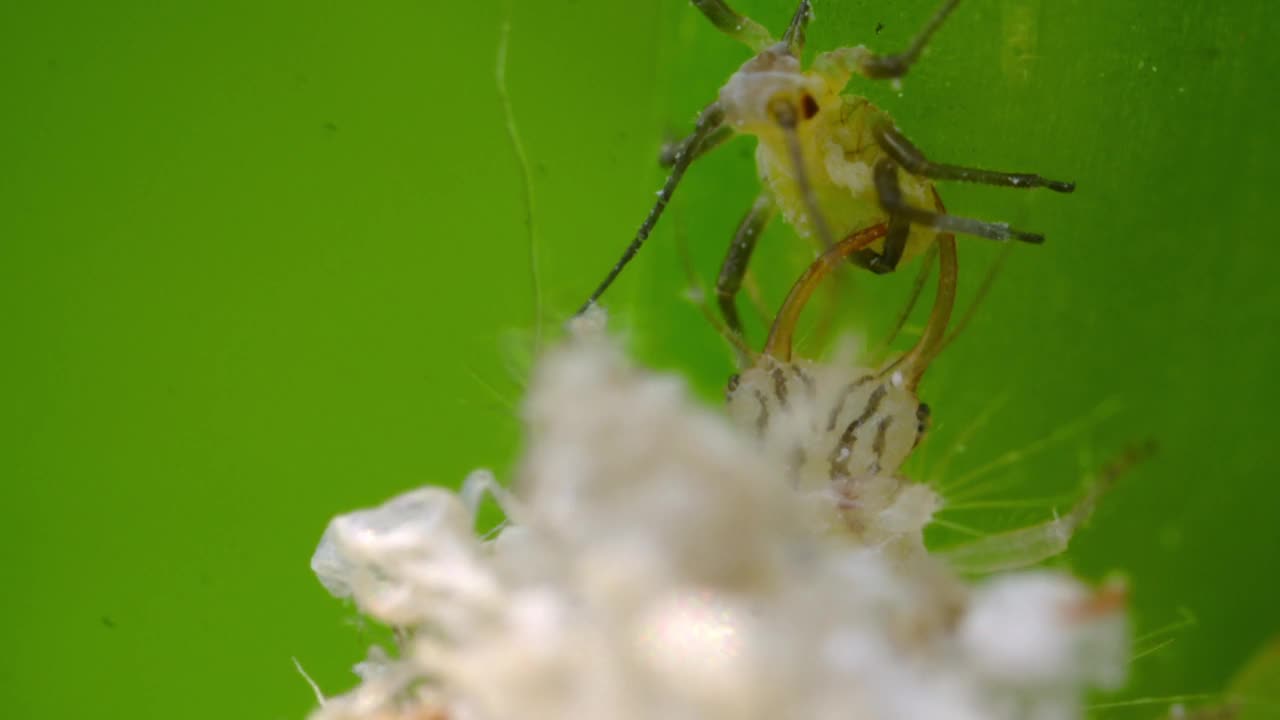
pixel 903 152
pixel 739 27
pixel 709 121
pixel 671 150
pixel 738 256
pixel 1027 546
pixel 895 243
pixel 794 36
pixel 890 193
pixel 895 66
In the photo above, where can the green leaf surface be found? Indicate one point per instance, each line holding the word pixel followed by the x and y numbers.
pixel 261 263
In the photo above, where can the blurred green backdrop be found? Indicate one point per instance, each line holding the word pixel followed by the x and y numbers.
pixel 261 263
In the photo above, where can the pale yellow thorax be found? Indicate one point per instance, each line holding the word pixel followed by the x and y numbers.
pixel 837 148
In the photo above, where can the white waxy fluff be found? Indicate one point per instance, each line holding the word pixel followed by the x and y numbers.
pixel 663 568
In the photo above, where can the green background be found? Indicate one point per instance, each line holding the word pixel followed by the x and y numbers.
pixel 261 263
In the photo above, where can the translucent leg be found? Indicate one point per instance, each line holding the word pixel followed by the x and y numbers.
pixel 481 483
pixel 1030 545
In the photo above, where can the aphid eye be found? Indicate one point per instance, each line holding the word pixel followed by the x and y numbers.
pixel 733 383
pixel 808 106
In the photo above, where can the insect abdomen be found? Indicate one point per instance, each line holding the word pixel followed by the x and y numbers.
pixel 827 422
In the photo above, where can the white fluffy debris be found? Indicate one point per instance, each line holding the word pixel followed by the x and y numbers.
pixel 662 567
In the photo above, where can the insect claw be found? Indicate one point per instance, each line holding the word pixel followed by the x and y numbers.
pixel 879 266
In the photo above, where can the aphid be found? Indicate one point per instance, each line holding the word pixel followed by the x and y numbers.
pixel 844 432
pixel 832 164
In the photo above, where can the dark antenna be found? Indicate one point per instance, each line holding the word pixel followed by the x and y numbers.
pixel 709 120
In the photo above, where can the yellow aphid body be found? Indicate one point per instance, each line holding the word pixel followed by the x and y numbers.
pixel 837 148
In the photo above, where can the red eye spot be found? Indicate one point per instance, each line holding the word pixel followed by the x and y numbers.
pixel 808 106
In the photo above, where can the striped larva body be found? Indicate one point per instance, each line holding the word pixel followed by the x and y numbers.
pixel 842 434
pixel 832 420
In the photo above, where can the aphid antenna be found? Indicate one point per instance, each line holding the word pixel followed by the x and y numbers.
pixel 784 114
pixel 709 121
